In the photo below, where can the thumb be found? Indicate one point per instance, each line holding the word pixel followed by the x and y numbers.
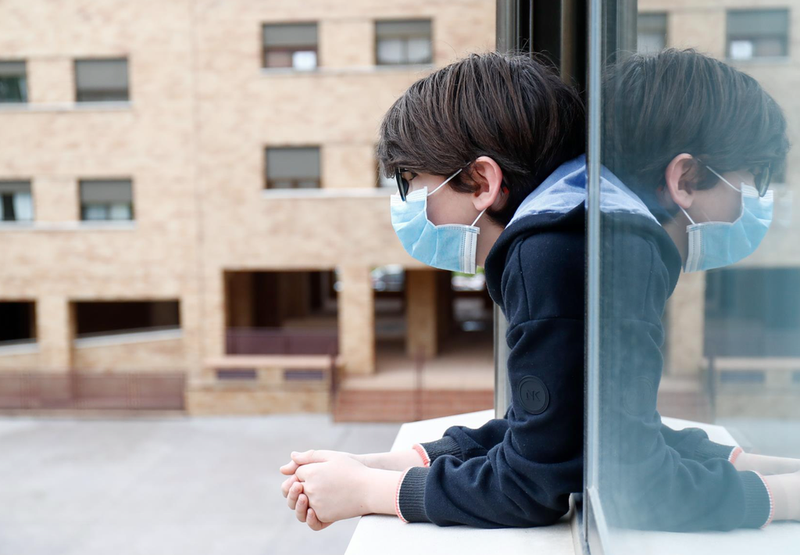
pixel 309 456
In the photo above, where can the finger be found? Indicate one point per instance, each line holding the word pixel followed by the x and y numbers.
pixel 308 456
pixel 287 483
pixel 313 521
pixel 302 507
pixel 294 492
pixel 289 468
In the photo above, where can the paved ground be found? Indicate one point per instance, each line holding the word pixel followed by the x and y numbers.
pixel 170 486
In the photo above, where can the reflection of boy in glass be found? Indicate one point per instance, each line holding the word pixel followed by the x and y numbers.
pixel 694 140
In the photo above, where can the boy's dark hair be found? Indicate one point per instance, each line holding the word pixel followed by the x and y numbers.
pixel 660 105
pixel 509 107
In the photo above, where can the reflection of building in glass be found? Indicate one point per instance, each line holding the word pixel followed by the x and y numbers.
pixel 177 192
pixel 743 317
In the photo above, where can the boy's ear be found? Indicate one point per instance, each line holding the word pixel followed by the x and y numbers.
pixel 679 178
pixel 488 177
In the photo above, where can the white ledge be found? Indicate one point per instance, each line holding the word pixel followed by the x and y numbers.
pixel 20 348
pixel 36 107
pixel 132 337
pixel 388 535
pixel 82 225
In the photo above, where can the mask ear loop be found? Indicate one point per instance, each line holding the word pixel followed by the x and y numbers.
pixel 478 218
pixel 445 181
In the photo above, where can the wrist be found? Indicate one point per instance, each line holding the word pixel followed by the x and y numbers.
pixel 380 487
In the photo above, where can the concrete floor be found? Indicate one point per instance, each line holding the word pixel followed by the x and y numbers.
pixel 169 486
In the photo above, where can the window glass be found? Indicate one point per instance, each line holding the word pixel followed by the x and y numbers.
pixel 757 33
pixel 403 42
pixel 101 80
pixel 106 199
pixel 16 202
pixel 293 168
pixel 13 82
pixel 694 281
pixel 290 46
pixel 652 32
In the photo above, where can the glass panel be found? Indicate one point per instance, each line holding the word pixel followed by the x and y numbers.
pixel 419 51
pixel 279 58
pixel 13 82
pixel 95 212
pixel 119 211
pixel 652 32
pixel 683 225
pixel 391 51
pixel 304 60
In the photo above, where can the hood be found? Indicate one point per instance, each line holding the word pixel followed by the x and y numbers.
pixel 560 202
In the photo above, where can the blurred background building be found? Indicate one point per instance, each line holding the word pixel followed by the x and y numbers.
pixel 192 216
pixel 735 330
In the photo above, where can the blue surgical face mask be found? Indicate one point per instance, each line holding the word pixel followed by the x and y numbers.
pixel 447 246
pixel 718 244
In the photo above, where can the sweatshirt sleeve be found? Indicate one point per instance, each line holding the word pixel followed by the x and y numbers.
pixel 525 479
pixel 693 443
pixel 644 482
pixel 463 442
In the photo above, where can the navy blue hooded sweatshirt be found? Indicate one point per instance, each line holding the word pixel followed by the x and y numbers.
pixel 519 471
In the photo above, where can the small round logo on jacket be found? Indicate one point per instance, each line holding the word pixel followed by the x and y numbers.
pixel 533 395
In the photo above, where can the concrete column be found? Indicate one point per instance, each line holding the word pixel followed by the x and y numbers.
pixel 686 326
pixel 421 314
pixel 357 320
pixel 55 323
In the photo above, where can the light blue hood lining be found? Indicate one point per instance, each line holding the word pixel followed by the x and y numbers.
pixel 565 189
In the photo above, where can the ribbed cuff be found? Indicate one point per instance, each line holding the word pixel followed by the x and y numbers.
pixel 708 449
pixel 410 496
pixel 735 452
pixel 444 446
pixel 758 505
pixel 426 460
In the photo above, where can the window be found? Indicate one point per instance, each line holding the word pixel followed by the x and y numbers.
pixel 290 46
pixel 17 322
pixel 403 42
pixel 106 200
pixel 293 168
pixel 94 318
pixel 651 32
pixel 13 82
pixel 101 80
pixel 758 34
pixel 16 203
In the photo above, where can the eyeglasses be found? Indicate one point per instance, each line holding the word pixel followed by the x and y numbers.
pixel 403 183
pixel 762 174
